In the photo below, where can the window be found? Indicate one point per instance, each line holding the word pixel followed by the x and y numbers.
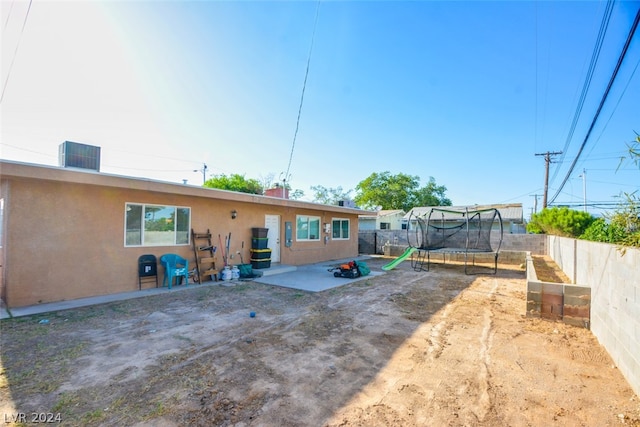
pixel 340 228
pixel 385 226
pixel 307 227
pixel 153 225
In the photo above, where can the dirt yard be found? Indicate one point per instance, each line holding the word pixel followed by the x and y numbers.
pixel 406 348
pixel 547 270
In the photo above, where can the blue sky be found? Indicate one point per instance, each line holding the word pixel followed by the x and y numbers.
pixel 464 92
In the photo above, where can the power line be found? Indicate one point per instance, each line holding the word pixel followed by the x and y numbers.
pixel 624 90
pixel 155 155
pixel 27 150
pixel 138 169
pixel 535 110
pixel 609 205
pixel 629 169
pixel 6 22
pixel 622 184
pixel 528 193
pixel 602 101
pixel 587 83
pixel 15 53
pixel 304 86
pixel 146 155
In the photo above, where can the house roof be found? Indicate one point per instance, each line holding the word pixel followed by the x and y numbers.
pixel 509 212
pixel 30 171
pixel 382 213
pixel 389 212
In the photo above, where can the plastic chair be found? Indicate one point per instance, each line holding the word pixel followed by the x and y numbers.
pixel 174 267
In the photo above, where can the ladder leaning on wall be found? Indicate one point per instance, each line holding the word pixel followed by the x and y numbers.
pixel 204 252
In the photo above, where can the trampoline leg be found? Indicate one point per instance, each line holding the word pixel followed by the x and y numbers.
pixel 419 265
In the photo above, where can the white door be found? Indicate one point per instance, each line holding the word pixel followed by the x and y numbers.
pixel 272 222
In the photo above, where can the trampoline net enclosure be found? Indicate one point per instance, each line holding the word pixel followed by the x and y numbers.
pixel 450 230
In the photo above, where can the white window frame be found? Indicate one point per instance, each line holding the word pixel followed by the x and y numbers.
pixel 309 220
pixel 338 229
pixel 179 236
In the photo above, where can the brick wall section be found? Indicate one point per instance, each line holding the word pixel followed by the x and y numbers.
pixel 571 303
pixel 614 279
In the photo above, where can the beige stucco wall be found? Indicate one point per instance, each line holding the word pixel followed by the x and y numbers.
pixel 64 231
pixel 394 220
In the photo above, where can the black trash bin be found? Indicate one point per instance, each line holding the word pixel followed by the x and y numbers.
pixel 259 233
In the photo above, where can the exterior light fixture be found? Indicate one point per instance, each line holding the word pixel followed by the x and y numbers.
pixel 234 214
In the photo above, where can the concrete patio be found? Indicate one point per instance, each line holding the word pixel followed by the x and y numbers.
pixel 311 278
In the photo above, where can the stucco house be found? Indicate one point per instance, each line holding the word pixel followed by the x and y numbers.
pixel 69 233
pixel 390 219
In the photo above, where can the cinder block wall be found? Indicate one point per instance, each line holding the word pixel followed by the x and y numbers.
pixel 534 243
pixel 614 279
pixel 563 252
pixel 373 241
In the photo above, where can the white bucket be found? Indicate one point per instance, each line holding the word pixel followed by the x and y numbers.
pixel 226 273
pixel 235 272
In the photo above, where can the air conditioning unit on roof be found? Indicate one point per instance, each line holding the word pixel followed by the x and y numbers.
pixel 81 156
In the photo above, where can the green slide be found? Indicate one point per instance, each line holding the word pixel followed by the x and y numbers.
pixel 401 258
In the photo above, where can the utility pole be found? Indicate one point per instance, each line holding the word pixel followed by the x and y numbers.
pixel 204 172
pixel 547 160
pixel 535 203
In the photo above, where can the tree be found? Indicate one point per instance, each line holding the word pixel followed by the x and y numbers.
pixel 432 195
pixel 329 196
pixel 234 182
pixel 296 194
pixel 633 149
pixel 266 181
pixel 399 191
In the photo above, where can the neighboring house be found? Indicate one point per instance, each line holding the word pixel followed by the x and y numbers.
pixel 383 220
pixel 512 217
pixel 69 234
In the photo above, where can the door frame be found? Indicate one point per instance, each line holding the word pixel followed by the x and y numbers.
pixel 272 222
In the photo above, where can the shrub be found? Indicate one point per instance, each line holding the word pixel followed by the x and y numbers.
pixel 622 228
pixel 560 221
pixel 627 219
pixel 601 231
